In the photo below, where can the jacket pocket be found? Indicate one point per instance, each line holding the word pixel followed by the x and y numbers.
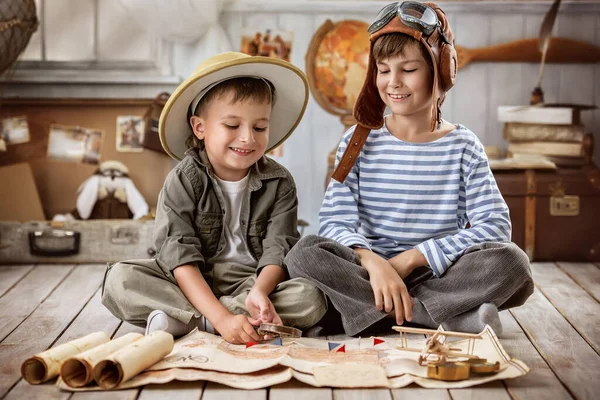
pixel 256 233
pixel 209 227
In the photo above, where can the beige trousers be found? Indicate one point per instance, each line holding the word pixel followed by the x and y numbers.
pixel 133 289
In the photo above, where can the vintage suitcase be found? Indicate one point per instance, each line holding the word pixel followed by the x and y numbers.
pixel 555 214
pixel 91 241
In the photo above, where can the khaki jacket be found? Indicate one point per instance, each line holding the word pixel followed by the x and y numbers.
pixel 189 216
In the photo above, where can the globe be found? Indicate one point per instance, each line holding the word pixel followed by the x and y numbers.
pixel 337 63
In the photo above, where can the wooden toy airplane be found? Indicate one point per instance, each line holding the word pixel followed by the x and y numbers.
pixel 435 354
pixel 435 344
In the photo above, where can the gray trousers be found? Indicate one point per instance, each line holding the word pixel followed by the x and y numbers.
pixel 497 273
pixel 133 289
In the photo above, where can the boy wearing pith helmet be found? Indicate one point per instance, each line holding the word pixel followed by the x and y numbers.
pixel 227 214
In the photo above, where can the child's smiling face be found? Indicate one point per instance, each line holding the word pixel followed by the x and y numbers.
pixel 405 83
pixel 235 135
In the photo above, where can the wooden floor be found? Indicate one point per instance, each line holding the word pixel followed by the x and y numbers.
pixel 556 333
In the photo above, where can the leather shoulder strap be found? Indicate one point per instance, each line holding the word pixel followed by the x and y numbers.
pixel 356 143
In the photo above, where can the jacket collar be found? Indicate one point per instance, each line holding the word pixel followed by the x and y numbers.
pixel 263 169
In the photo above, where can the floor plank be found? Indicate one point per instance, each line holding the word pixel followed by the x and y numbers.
pixel 540 381
pixel 493 391
pixel 129 394
pixel 94 317
pixel 216 391
pixel 45 324
pixel 574 303
pixel 26 296
pixel 11 274
pixel 173 390
pixel 416 392
pixel 362 394
pixel 126 328
pixel 46 391
pixel 296 390
pixel 586 275
pixel 574 362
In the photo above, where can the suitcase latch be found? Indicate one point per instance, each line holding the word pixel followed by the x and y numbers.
pixel 124 235
pixel 564 206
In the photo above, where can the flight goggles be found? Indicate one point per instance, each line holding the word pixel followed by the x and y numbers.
pixel 413 14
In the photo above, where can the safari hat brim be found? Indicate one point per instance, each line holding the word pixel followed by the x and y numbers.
pixel 291 97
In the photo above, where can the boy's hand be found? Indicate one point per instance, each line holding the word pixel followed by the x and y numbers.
pixel 237 329
pixel 389 289
pixel 406 262
pixel 261 308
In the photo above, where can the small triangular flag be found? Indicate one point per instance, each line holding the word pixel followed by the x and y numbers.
pixel 341 349
pixel 278 341
pixel 377 341
pixel 250 344
pixel 332 345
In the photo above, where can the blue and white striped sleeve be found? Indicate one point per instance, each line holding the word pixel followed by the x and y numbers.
pixel 486 212
pixel 338 216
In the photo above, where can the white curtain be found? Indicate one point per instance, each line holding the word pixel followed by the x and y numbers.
pixel 192 25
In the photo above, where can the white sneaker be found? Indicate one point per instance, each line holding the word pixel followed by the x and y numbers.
pixel 157 321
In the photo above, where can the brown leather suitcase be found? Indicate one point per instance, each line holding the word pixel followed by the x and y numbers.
pixel 555 214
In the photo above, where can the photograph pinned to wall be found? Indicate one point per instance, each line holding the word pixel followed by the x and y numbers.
pixel 15 130
pixel 267 43
pixel 130 133
pixel 75 144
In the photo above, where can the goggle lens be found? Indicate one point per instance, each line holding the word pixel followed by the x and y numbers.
pixel 383 17
pixel 416 15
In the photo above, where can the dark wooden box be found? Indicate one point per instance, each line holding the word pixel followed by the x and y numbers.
pixel 555 214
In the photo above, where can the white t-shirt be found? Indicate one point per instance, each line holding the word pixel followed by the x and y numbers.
pixel 236 249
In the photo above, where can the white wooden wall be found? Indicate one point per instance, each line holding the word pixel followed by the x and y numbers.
pixel 481 87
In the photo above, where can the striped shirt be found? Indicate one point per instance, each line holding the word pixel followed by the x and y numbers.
pixel 401 195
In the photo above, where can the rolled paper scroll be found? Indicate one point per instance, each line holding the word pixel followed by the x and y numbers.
pixel 126 363
pixel 78 371
pixel 46 365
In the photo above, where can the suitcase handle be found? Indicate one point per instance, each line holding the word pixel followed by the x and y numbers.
pixel 60 242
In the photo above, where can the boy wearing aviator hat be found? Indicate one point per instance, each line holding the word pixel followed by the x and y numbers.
pixel 227 215
pixel 413 226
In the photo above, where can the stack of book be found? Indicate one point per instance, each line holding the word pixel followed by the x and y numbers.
pixel 544 136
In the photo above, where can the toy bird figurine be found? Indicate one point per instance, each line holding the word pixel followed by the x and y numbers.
pixel 110 194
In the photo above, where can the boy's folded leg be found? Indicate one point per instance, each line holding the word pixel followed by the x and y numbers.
pixel 133 289
pixel 421 316
pixel 488 273
pixel 299 303
pixel 235 304
pixel 335 269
